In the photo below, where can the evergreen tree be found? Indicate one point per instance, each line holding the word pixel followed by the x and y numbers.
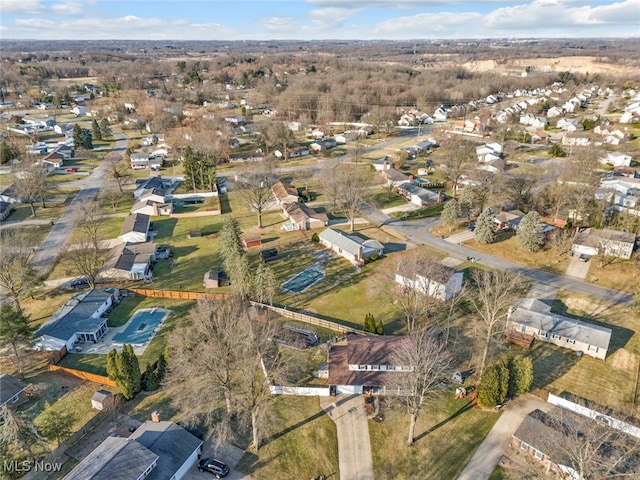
pixel 124 369
pixel 369 323
pixel 112 365
pixel 380 328
pixel 105 129
pixel 86 140
pixel 530 235
pixel 77 136
pixel 493 386
pixel 15 332
pixel 520 375
pixel 8 152
pixel 95 130
pixel 265 283
pixel 161 368
pixel 150 382
pixel 485 231
pixel 450 213
pixel 230 243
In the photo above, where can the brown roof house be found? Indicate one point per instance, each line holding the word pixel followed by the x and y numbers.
pixel 300 217
pixel 285 193
pixel 608 242
pixel 534 318
pixel 363 363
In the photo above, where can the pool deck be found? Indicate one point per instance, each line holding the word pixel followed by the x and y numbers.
pixel 106 343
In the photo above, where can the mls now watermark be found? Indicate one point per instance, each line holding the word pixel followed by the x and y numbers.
pixel 26 466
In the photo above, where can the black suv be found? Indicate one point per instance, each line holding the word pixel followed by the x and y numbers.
pixel 215 467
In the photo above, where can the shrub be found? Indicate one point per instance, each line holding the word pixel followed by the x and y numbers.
pixel 315 238
pixel 493 386
pixel 520 375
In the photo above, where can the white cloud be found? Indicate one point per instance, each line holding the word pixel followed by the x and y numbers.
pixel 18 7
pixel 428 25
pixel 331 17
pixel 400 4
pixel 68 8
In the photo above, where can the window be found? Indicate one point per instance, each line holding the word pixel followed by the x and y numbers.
pixel 523 446
pixel 571 341
pixel 521 328
pixel 555 336
pixel 543 333
pixel 593 348
pixel 538 454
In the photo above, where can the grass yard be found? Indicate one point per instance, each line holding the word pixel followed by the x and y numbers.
pixel 301 441
pixel 43 305
pixel 423 212
pixel 612 382
pixel 447 435
pixel 551 260
pixel 382 198
pixel 619 275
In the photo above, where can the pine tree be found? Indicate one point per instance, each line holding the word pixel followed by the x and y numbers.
pixel 161 368
pixel 265 283
pixel 380 328
pixel 493 386
pixel 105 129
pixel 77 136
pixel 95 130
pixel 230 243
pixel 520 375
pixel 15 331
pixel 450 213
pixel 124 369
pixel 530 235
pixel 369 323
pixel 150 382
pixel 112 365
pixel 485 231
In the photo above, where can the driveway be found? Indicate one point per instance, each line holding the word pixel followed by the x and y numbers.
pixel 226 453
pixel 490 451
pixel 578 269
pixel 354 444
pixel 461 237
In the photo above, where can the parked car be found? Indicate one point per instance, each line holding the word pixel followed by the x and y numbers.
pixel 81 282
pixel 213 466
pixel 71 170
pixel 583 257
pixel 471 228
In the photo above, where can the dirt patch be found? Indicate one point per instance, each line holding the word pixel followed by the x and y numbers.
pixel 556 64
pixel 119 426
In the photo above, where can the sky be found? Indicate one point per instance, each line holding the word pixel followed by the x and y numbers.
pixel 316 19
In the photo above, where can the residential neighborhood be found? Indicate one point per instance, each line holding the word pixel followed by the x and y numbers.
pixel 340 259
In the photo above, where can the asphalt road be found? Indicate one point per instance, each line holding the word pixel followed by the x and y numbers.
pixel 45 257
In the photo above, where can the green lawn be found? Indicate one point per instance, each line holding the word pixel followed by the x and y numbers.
pixel 300 443
pixel 424 212
pixel 447 435
pixel 382 198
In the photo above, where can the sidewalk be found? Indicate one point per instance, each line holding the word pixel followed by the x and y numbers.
pixel 490 451
pixel 354 445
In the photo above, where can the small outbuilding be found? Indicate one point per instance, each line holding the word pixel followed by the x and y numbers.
pixel 215 279
pixel 102 399
pixel 249 242
pixel 268 255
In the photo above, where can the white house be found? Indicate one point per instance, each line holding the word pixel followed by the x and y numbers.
pixel 436 280
pixel 417 195
pixel 79 111
pixel 350 247
pixel 79 320
pixel 135 228
pixel 534 318
pixel 129 262
pixel 614 243
pixel 617 159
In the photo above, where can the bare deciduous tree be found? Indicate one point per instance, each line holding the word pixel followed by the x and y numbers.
pixel 220 373
pixel 458 157
pixel 350 185
pixel 31 184
pixel 492 296
pixel 255 191
pixel 88 253
pixel 16 273
pixel 426 361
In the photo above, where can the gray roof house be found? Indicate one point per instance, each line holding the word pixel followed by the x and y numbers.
pixel 135 228
pixel 176 448
pixel 79 320
pixel 129 262
pixel 351 247
pixel 10 390
pixel 418 195
pixel 610 242
pixel 534 318
pixel 116 458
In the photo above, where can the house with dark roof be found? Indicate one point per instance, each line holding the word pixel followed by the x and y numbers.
pixel 350 247
pixel 129 262
pixel 116 458
pixel 11 390
pixel 177 449
pixel 300 217
pixel 81 319
pixel 508 220
pixel 151 184
pixel 435 280
pixel 135 228
pixel 364 362
pixel 5 210
pixel 532 317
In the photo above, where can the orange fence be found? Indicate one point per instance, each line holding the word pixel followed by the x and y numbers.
pixel 176 294
pixel 91 377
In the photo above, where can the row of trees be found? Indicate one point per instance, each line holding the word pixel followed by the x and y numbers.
pixel 505 379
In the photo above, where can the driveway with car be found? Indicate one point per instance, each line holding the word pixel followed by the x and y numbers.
pixel 578 267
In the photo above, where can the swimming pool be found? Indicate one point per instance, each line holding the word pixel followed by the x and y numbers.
pixel 141 327
pixel 303 280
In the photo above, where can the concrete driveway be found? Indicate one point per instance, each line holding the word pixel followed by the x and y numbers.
pixel 226 453
pixel 490 451
pixel 577 268
pixel 461 237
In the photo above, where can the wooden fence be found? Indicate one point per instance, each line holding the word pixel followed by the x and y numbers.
pixel 282 311
pixel 91 377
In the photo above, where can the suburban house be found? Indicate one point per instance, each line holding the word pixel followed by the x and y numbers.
pixel 11 390
pixel 129 262
pixel 435 280
pixel 542 435
pixel 135 228
pixel 393 177
pixel 419 196
pixel 300 217
pixel 151 184
pixel 285 193
pixel 614 243
pixel 322 145
pixel 617 159
pixel 5 210
pixel 534 319
pixel 81 319
pixel 140 161
pixel 53 160
pixel 350 247
pixel 622 192
pixel 151 208
pixel 575 139
pixel 381 163
pixel 494 166
pixel 508 220
pixel 155 451
pixel 362 363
